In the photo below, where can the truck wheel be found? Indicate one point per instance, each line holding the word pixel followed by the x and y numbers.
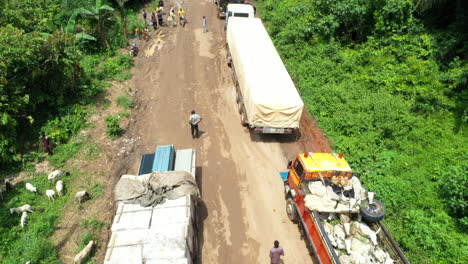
pixel 291 210
pixel 373 212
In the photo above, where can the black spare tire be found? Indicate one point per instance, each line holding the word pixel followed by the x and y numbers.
pixel 373 212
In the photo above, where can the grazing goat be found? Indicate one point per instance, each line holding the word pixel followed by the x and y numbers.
pixel 24 216
pixel 56 174
pixel 81 196
pixel 83 253
pixel 59 188
pixel 31 188
pixel 21 209
pixel 50 194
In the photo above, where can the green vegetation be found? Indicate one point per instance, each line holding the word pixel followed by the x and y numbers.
pixel 113 125
pixel 387 82
pixel 56 56
pixel 125 101
pixel 19 245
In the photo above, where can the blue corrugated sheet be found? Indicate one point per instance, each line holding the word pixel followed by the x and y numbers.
pixel 164 158
pixel 146 163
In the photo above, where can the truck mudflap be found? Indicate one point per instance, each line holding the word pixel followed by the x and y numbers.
pixel 317 239
pixel 272 130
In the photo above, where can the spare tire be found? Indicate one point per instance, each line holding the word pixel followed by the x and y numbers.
pixel 373 212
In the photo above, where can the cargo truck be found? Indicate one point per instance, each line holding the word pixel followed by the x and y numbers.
pixel 165 233
pixel 267 98
pixel 340 220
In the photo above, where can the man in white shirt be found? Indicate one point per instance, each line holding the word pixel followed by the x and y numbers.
pixel 194 120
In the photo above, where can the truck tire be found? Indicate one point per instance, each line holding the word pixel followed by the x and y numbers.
pixel 291 210
pixel 372 212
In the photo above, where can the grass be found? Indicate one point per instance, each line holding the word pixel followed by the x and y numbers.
pixel 64 152
pixel 125 101
pixel 19 245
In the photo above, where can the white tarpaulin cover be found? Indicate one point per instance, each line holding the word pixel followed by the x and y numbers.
pixel 270 97
pixel 161 234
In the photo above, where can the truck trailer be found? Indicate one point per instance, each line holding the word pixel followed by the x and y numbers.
pixel 165 233
pixel 267 98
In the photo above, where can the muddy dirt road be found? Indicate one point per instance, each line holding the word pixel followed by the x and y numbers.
pixel 181 69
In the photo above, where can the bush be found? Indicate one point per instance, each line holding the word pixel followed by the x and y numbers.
pixel 125 102
pixel 113 125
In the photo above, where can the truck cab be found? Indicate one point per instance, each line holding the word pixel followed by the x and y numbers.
pixel 239 10
pixel 222 6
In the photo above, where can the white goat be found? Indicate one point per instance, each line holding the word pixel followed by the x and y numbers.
pixel 24 216
pixel 21 209
pixel 31 188
pixel 81 196
pixel 83 253
pixel 56 174
pixel 50 194
pixel 59 188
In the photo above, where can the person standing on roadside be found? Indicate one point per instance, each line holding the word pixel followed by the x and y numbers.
pixel 205 25
pixel 153 20
pixel 276 252
pixel 194 120
pixel 160 18
pixel 172 17
pixel 46 142
pixel 144 15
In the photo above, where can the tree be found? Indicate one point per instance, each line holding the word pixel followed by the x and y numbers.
pixel 123 15
pixel 98 15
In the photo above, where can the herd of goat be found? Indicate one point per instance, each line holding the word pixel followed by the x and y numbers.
pixel 25 209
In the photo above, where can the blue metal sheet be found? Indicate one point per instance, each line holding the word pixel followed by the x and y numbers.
pixel 164 158
pixel 146 163
pixel 284 175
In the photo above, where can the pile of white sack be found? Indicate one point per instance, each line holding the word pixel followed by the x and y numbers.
pixel 355 242
pixel 323 199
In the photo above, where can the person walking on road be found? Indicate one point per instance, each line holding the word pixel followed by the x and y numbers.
pixel 205 25
pixel 182 18
pixel 194 120
pixel 145 15
pixel 276 252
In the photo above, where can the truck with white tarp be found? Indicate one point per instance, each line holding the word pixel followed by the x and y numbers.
pixel 267 98
pixel 155 219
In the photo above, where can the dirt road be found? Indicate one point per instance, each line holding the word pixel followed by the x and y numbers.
pixel 181 69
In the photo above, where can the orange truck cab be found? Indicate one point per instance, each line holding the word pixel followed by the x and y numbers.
pixel 331 169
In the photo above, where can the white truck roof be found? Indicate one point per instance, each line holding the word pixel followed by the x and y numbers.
pixel 270 96
pixel 240 8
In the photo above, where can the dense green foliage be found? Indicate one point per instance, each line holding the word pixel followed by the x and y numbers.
pixel 387 81
pixel 51 55
pixel 56 56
